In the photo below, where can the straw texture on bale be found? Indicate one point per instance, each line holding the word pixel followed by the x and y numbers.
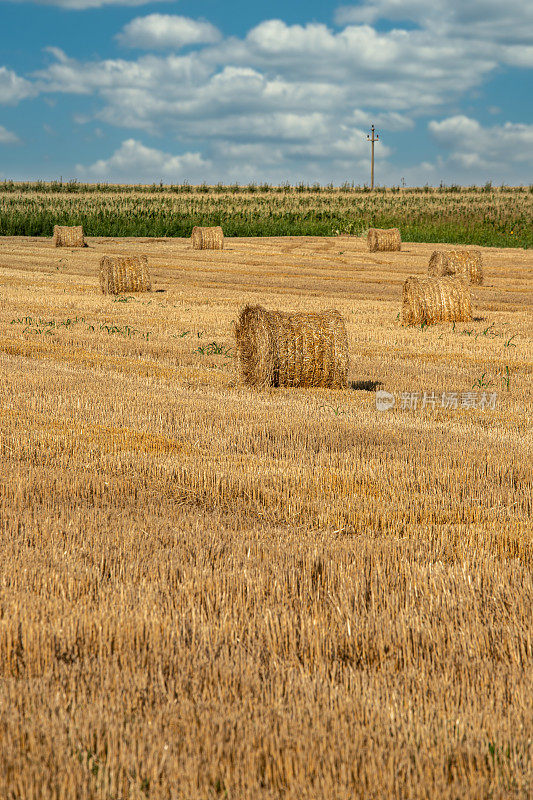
pixel 433 300
pixel 119 274
pixel 277 348
pixel 207 238
pixel 384 239
pixel 65 236
pixel 465 264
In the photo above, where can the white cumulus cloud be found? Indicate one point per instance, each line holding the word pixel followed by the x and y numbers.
pixel 13 88
pixel 486 18
pixel 167 31
pixel 390 120
pixel 506 26
pixel 83 5
pixel 7 137
pixel 493 151
pixel 133 160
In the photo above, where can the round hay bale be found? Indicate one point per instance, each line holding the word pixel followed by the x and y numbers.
pixel 120 274
pixel 433 300
pixel 465 264
pixel 384 239
pixel 277 348
pixel 68 236
pixel 207 238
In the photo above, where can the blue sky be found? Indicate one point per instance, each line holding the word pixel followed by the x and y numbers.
pixel 133 91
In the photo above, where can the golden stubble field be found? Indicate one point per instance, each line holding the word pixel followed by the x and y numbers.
pixel 208 591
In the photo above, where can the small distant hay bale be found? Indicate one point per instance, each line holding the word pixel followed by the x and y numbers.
pixel 276 348
pixel 464 264
pixel 207 238
pixel 120 274
pixel 384 239
pixel 433 300
pixel 68 236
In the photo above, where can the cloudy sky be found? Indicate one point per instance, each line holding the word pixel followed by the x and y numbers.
pixel 200 90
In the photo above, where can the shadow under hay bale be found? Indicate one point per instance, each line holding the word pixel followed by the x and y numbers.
pixel 430 300
pixel 366 386
pixel 464 264
pixel 68 236
pixel 384 239
pixel 207 238
pixel 276 348
pixel 120 274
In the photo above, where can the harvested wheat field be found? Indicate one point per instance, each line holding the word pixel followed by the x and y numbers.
pixel 210 590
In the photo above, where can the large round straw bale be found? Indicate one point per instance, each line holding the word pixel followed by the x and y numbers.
pixel 465 264
pixel 65 236
pixel 119 274
pixel 384 239
pixel 433 300
pixel 276 348
pixel 207 238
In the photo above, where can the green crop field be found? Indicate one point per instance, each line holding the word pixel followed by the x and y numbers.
pixel 492 217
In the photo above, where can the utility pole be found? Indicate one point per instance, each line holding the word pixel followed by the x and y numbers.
pixel 373 138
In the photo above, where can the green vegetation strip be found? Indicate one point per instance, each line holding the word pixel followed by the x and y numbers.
pixel 497 217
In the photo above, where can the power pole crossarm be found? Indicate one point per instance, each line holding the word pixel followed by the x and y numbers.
pixel 373 138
